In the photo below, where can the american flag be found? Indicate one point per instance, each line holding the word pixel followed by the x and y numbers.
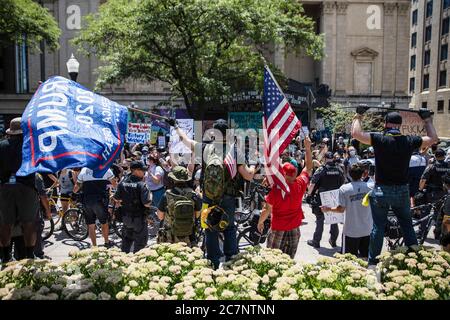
pixel 280 126
pixel 230 161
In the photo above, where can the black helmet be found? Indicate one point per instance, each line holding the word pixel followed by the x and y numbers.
pixel 221 125
pixel 217 219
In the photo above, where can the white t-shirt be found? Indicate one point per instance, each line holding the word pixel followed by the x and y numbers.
pixel 92 185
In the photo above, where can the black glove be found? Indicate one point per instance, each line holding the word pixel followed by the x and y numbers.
pixel 362 108
pixel 171 121
pixel 424 114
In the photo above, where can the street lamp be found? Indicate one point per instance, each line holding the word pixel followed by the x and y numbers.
pixel 73 67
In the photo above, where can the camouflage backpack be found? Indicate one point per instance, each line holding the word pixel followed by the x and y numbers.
pixel 214 175
pixel 181 212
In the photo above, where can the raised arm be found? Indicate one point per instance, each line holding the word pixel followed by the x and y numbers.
pixel 308 157
pixel 357 131
pixel 431 137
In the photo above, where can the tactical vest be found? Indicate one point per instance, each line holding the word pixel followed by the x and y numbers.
pixel 331 179
pixel 438 170
pixel 131 199
pixel 180 211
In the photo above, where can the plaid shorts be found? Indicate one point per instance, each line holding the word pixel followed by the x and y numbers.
pixel 286 241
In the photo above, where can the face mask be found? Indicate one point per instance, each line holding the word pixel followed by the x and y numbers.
pixel 352 153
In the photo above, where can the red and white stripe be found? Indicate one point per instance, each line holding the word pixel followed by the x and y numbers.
pixel 230 162
pixel 279 130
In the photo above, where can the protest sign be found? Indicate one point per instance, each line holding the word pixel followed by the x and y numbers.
pixel 138 132
pixel 176 146
pixel 412 124
pixel 330 199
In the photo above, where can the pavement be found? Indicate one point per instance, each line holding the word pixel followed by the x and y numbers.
pixel 58 246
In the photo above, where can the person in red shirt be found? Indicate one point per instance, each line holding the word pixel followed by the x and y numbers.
pixel 286 212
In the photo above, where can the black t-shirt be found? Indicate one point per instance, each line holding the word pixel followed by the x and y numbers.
pixel 11 160
pixel 328 177
pixel 392 156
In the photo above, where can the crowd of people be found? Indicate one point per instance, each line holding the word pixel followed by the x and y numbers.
pixel 393 171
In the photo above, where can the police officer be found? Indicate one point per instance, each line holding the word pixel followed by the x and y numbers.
pixel 328 177
pixel 431 183
pixel 178 207
pixel 431 180
pixel 134 196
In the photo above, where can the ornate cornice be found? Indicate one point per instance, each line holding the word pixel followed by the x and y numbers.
pixel 328 7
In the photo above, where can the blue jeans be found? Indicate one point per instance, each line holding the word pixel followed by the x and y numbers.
pixel 396 197
pixel 213 252
pixel 157 195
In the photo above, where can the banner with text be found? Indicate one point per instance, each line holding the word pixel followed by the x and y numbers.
pixel 66 125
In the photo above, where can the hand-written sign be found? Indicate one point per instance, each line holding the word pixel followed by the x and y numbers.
pixel 412 124
pixel 177 146
pixel 330 199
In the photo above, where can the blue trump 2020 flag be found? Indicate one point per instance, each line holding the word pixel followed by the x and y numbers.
pixel 65 125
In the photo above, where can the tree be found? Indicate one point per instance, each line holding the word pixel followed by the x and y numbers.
pixel 339 119
pixel 205 49
pixel 25 21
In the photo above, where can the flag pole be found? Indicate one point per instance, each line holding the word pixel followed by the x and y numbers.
pixel 147 113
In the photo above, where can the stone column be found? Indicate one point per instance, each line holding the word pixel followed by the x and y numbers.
pixel 403 44
pixel 389 49
pixel 328 24
pixel 340 48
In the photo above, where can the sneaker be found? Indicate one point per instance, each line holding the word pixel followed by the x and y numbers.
pixel 332 243
pixel 312 243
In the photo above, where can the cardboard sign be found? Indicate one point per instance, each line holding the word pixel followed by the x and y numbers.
pixel 412 124
pixel 330 199
pixel 176 146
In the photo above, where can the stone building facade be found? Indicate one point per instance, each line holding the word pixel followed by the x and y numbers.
pixel 428 60
pixel 366 45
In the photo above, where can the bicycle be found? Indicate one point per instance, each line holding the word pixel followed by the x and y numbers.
pixel 424 217
pixel 56 209
pixel 251 202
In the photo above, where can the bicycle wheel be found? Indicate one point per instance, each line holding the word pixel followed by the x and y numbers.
pixel 49 227
pixel 117 226
pixel 74 224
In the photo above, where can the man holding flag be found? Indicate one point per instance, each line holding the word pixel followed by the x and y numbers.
pixel 63 126
pixel 220 184
pixel 281 126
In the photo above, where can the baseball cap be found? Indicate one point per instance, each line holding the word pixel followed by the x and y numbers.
pixel 139 165
pixel 289 169
pixel 393 117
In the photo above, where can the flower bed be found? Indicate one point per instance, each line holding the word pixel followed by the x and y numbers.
pixel 175 271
